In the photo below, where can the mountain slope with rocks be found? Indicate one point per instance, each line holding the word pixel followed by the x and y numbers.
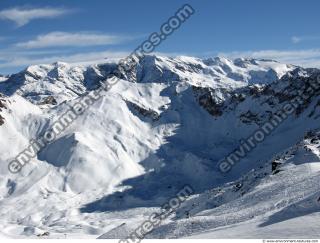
pixel 166 123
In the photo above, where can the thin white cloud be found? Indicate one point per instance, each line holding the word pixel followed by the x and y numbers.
pixel 305 58
pixel 299 39
pixel 18 59
pixel 22 16
pixel 78 58
pixel 59 39
pixel 295 39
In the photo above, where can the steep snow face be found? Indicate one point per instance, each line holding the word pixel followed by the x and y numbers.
pixel 20 124
pixel 55 83
pixel 166 123
pixel 36 83
pixel 111 143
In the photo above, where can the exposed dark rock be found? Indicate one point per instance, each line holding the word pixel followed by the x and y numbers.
pixel 149 113
pixel 238 186
pixel 209 101
pixel 255 90
pixel 309 134
pixel 274 166
pixel 43 234
pixel 2 106
pixel 2 103
pixel 50 100
pixel 1 120
pixel 238 98
pixel 250 117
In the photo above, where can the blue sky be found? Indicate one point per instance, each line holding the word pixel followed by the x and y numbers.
pixel 34 32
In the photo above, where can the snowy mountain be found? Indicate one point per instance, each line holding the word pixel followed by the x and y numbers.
pixel 166 123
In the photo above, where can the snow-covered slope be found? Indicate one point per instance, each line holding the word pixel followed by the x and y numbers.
pixel 166 123
pixel 264 203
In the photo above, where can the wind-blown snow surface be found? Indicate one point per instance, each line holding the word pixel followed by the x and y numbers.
pixel 163 125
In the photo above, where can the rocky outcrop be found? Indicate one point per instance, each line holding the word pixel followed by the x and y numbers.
pixel 209 99
pixel 250 117
pixel 2 106
pixel 146 113
pixel 50 100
